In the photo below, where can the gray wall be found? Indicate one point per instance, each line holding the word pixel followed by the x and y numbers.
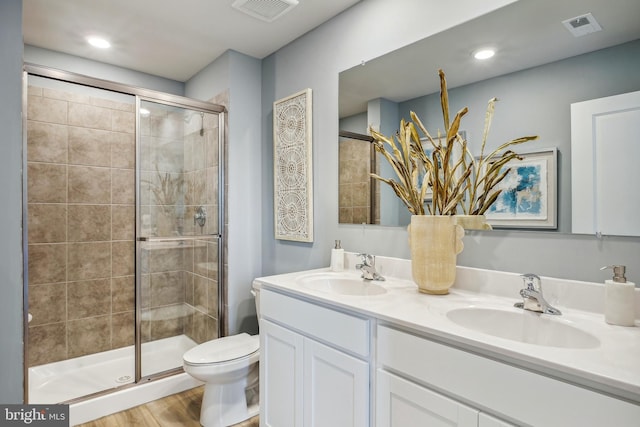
pixel 100 70
pixel 11 313
pixel 241 75
pixel 341 43
pixel 211 80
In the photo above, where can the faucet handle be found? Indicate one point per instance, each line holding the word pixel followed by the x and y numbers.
pixel 532 281
pixel 367 259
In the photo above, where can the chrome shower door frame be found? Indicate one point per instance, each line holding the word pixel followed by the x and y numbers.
pixel 152 96
pixel 221 114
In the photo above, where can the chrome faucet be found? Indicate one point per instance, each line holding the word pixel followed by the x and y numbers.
pixel 532 296
pixel 368 268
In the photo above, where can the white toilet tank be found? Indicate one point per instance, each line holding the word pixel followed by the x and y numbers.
pixel 255 291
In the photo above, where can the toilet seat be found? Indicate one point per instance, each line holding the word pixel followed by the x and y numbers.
pixel 222 350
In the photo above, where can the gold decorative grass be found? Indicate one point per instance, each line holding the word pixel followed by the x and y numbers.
pixel 462 185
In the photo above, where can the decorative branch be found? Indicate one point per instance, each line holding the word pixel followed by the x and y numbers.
pixel 452 181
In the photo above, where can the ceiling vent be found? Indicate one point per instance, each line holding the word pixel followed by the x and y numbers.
pixel 265 10
pixel 582 25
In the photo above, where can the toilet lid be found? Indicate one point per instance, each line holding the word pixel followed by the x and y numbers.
pixel 223 349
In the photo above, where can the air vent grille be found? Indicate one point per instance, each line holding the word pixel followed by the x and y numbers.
pixel 265 10
pixel 582 25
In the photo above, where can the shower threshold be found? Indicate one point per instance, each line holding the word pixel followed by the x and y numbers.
pixel 82 376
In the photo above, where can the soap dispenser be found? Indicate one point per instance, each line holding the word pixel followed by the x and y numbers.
pixel 619 298
pixel 337 257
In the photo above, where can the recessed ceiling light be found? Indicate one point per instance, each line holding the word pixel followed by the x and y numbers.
pixel 484 54
pixel 144 112
pixel 98 42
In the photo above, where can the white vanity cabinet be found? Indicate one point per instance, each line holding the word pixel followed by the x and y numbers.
pixel 411 367
pixel 402 403
pixel 314 367
pixel 394 360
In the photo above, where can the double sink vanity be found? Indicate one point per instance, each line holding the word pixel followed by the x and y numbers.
pixel 337 350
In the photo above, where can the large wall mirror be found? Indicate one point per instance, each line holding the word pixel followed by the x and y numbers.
pixel 539 70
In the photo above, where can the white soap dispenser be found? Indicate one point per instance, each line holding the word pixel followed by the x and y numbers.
pixel 337 257
pixel 619 298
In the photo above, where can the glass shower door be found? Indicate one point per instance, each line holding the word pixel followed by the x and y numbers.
pixel 178 233
pixel 80 162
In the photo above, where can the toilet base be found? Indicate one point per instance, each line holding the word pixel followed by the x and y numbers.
pixel 229 404
pixel 220 411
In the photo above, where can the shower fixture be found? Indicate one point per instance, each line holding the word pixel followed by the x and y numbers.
pixel 188 118
pixel 200 216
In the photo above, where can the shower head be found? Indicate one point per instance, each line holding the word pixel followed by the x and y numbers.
pixel 188 117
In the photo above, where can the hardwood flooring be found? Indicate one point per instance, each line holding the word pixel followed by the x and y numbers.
pixel 179 410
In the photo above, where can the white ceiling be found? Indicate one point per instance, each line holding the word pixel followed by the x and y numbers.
pixel 525 34
pixel 168 38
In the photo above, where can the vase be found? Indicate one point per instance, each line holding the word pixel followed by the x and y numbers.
pixel 435 241
pixel 473 222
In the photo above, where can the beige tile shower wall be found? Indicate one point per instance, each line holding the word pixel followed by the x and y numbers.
pixel 201 171
pixel 80 160
pixel 183 148
pixel 354 182
pixel 201 269
pixel 201 273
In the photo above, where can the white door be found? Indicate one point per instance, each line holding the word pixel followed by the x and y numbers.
pixel 281 376
pixel 401 403
pixel 336 389
pixel 605 148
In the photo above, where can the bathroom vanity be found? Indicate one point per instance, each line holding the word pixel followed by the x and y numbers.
pixel 337 351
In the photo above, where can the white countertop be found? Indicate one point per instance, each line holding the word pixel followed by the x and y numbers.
pixel 613 367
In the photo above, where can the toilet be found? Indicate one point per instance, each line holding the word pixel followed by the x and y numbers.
pixel 229 368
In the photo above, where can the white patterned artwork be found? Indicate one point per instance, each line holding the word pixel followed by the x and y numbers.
pixel 292 168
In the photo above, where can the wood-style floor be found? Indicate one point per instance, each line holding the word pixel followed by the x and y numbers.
pixel 179 410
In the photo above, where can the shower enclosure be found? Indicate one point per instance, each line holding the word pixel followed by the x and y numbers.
pixel 123 237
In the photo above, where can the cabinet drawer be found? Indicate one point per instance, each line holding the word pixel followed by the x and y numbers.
pixel 507 390
pixel 344 331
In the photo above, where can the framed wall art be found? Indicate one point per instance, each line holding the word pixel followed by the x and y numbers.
pixel 292 167
pixel 528 197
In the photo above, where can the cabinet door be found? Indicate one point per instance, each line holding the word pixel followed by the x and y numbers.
pixel 485 420
pixel 336 388
pixel 281 370
pixel 401 403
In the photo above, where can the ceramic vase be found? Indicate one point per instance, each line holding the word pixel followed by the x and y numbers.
pixel 435 241
pixel 473 222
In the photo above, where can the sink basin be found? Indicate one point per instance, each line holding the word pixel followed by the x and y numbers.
pixel 523 326
pixel 339 284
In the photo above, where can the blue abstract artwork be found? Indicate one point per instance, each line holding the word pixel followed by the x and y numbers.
pixel 524 192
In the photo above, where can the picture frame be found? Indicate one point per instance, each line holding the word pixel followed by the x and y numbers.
pixel 529 192
pixel 293 167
